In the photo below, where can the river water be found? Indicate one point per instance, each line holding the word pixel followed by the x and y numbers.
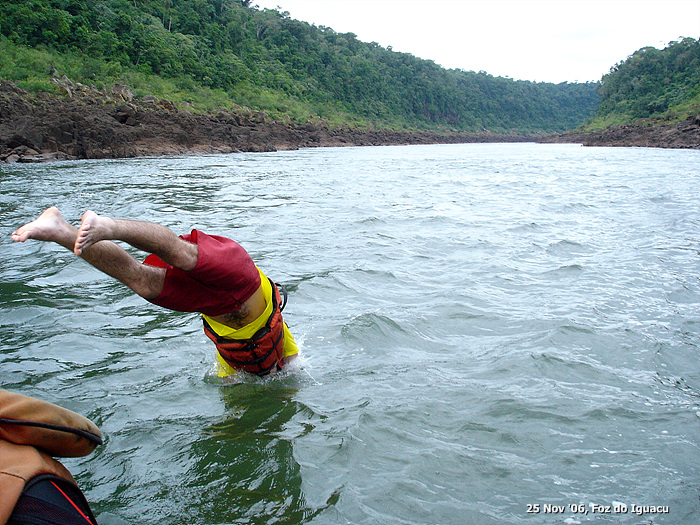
pixel 490 334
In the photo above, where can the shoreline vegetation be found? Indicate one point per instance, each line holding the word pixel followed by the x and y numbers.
pixel 127 78
pixel 92 124
pixel 89 124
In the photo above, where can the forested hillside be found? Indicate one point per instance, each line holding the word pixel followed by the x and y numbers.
pixel 650 99
pixel 659 84
pixel 199 51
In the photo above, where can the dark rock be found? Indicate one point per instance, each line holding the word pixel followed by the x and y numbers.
pixel 683 135
pixel 125 114
pixel 93 125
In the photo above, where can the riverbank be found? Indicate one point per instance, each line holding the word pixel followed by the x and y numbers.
pixel 682 135
pixel 88 124
pixel 85 123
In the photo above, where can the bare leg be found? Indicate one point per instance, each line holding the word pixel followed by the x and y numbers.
pixel 146 281
pixel 146 236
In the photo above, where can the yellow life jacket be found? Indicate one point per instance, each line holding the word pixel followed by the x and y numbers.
pixel 261 353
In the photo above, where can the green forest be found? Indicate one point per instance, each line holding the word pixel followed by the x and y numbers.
pixel 225 52
pixel 216 54
pixel 652 84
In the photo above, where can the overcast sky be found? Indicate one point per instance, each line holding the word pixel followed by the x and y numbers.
pixel 540 40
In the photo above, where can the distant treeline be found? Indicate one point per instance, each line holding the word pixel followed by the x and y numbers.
pixel 653 83
pixel 266 60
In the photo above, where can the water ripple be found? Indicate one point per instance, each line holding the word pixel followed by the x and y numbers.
pixel 483 327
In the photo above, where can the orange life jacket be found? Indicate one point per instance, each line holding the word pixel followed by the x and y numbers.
pixel 263 352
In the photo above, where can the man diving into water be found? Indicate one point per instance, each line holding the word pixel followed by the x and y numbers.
pixel 194 272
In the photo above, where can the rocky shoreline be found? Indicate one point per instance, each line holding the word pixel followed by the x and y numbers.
pixel 89 124
pixel 682 135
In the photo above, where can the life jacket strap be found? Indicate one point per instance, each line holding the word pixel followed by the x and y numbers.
pixel 283 291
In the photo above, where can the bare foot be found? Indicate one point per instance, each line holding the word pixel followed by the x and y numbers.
pixel 94 228
pixel 50 226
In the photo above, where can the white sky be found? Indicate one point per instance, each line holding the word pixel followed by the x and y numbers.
pixel 540 40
